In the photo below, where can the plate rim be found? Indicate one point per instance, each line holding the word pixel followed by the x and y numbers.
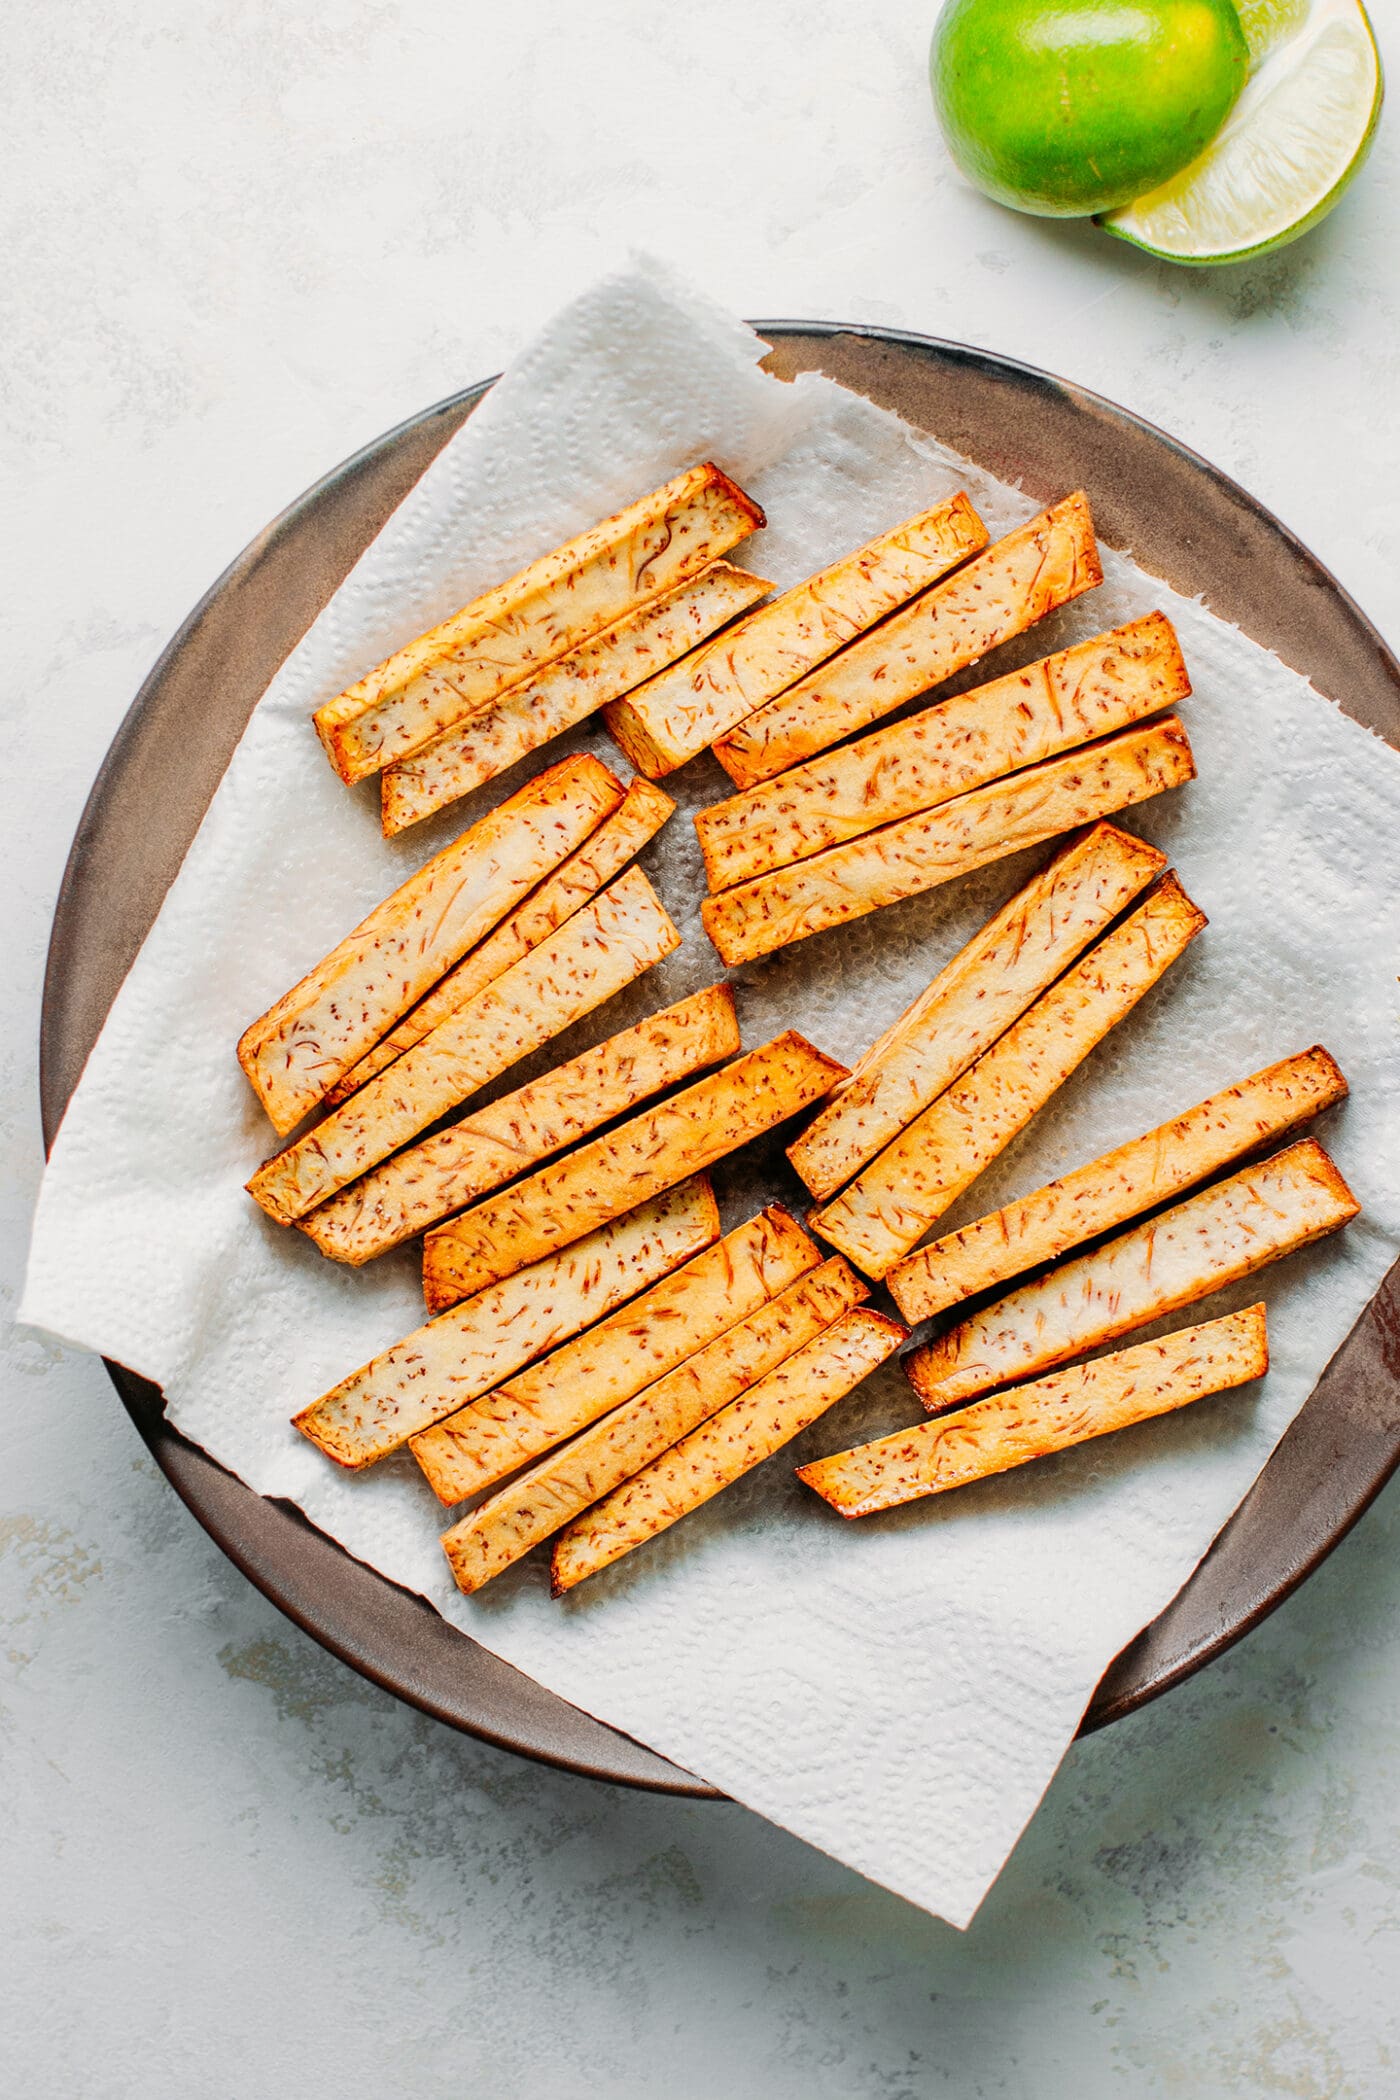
pixel 1119 1692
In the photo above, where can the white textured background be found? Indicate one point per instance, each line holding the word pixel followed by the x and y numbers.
pixel 238 242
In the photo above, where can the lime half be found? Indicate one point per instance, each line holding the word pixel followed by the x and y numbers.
pixel 1286 152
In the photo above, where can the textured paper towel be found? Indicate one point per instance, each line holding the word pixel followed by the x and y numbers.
pixel 900 1692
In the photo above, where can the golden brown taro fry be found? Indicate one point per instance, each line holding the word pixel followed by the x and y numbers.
pixel 1177 1258
pixel 1003 591
pixel 973 830
pixel 295 1052
pixel 466 1352
pixel 511 632
pixel 678 713
pixel 1050 1414
pixel 1119 1185
pixel 657 1148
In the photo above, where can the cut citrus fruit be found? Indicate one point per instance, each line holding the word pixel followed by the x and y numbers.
pixel 1286 152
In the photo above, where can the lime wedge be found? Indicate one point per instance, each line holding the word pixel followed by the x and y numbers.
pixel 1286 152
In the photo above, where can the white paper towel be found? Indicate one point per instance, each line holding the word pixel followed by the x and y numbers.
pixel 898 1692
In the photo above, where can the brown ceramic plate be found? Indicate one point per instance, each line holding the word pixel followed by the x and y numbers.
pixel 1184 521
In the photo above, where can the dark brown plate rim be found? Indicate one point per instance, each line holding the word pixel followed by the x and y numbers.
pixel 1221 543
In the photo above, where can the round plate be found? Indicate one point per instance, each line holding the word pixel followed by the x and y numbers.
pixel 1184 522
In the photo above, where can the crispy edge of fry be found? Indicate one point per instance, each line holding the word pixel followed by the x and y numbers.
pixel 1054 1413
pixel 563 694
pixel 961 1133
pixel 594 955
pixel 951 1023
pixel 589 1376
pixel 336 1226
pixel 806 719
pixel 558 1487
pixel 452 1253
pixel 630 1255
pixel 845 883
pixel 932 1370
pixel 533 831
pixel 585 1549
pixel 622 834
pixel 340 723
pixel 635 741
pixel 920 1284
pixel 1134 671
pixel 659 729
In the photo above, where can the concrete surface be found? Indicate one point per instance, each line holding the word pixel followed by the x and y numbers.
pixel 238 242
